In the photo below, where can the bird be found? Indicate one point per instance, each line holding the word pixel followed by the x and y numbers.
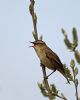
pixel 48 58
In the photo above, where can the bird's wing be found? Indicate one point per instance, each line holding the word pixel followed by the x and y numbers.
pixel 53 57
pixel 56 61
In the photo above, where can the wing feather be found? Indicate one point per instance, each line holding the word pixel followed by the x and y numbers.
pixel 54 59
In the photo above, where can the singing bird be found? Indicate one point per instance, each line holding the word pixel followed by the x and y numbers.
pixel 48 58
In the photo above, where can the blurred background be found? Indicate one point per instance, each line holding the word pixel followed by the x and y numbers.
pixel 20 69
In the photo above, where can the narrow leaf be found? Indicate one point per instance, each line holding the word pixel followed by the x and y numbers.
pixel 72 64
pixel 75 37
pixel 77 56
pixel 30 9
pixel 43 90
pixel 68 43
pixel 68 73
pixel 76 82
pixel 35 19
pixel 53 88
pixel 75 71
pixel 64 32
pixel 35 35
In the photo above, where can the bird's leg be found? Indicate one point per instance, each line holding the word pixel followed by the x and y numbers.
pixel 44 71
pixel 46 77
pixel 51 73
pixel 41 64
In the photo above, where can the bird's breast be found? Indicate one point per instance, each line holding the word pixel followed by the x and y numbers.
pixel 43 58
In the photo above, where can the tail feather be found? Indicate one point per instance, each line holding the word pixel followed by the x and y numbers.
pixel 64 74
pixel 66 78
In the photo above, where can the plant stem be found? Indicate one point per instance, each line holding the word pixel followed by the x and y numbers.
pixel 43 67
pixel 64 98
pixel 76 92
pixel 47 86
pixel 46 83
pixel 75 86
pixel 33 17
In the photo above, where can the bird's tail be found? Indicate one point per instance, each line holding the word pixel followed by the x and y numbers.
pixel 66 78
pixel 64 74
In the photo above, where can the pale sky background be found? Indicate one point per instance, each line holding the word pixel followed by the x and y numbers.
pixel 19 66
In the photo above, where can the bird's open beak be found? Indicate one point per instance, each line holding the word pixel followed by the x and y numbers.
pixel 32 42
pixel 32 45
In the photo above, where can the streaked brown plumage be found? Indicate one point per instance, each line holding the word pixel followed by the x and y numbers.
pixel 48 58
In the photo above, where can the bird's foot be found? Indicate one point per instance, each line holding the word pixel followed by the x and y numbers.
pixel 46 77
pixel 51 73
pixel 42 65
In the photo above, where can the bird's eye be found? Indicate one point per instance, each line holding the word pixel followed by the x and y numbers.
pixel 37 43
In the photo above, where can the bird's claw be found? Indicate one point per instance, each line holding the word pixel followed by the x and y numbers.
pixel 46 77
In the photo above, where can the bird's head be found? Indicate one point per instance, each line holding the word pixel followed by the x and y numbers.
pixel 38 44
